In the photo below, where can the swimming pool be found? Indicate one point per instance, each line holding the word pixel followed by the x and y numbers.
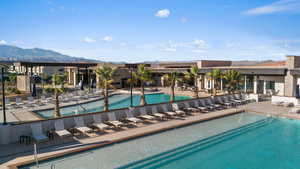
pixel 116 101
pixel 241 141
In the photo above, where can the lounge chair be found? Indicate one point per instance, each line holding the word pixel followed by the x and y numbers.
pixel 156 113
pixel 98 123
pixel 60 129
pixel 19 103
pixel 226 100
pixel 209 107
pixel 37 132
pixel 130 117
pixel 187 107
pixel 79 125
pixel 209 102
pixel 144 114
pixel 167 112
pixel 220 101
pixel 239 97
pixel 230 98
pixel 177 110
pixel 198 106
pixel 9 104
pixel 112 120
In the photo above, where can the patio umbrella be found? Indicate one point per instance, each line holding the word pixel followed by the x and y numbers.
pixel 297 91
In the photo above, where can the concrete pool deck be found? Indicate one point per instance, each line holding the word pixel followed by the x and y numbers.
pixel 13 155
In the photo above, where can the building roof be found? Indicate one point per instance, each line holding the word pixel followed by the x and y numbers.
pixel 32 64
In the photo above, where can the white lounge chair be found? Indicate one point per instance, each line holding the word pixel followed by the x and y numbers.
pixel 167 112
pixel 209 107
pixel 198 106
pixel 9 104
pixel 60 128
pixel 187 107
pixel 144 114
pixel 130 117
pixel 37 132
pixel 79 125
pixel 220 101
pixel 98 123
pixel 209 102
pixel 177 110
pixel 113 120
pixel 19 102
pixel 154 112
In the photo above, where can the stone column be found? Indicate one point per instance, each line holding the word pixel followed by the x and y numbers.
pixel 221 84
pixel 290 83
pixel 255 83
pixel 245 84
pixel 265 87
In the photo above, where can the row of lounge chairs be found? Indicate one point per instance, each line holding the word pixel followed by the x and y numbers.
pixel 43 100
pixel 165 113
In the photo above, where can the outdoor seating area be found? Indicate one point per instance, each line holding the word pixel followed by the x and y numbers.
pixel 123 118
pixel 31 102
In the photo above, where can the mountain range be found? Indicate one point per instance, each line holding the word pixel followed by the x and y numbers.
pixel 13 53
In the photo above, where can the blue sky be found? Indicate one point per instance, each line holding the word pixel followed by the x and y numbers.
pixel 149 30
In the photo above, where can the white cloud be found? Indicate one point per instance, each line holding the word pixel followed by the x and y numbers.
pixel 170 49
pixel 200 43
pixel 107 38
pixel 3 42
pixel 279 6
pixel 164 13
pixel 183 20
pixel 89 40
pixel 123 44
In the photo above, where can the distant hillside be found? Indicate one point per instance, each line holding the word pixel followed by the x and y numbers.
pixel 13 53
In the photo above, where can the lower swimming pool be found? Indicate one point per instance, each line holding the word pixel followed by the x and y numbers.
pixel 241 141
pixel 116 102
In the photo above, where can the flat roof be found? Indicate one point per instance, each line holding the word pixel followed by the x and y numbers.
pixel 32 64
pixel 255 70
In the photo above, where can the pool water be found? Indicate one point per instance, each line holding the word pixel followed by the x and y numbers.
pixel 241 141
pixel 116 102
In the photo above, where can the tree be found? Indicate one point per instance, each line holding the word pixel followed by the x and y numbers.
pixel 143 75
pixel 193 76
pixel 215 75
pixel 58 80
pixel 106 78
pixel 171 80
pixel 233 79
pixel 44 80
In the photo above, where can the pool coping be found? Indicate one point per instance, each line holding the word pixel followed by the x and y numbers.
pixel 126 138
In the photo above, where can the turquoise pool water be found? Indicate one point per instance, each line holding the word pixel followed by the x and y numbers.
pixel 242 141
pixel 116 102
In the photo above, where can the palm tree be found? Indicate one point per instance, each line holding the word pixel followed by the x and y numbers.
pixel 215 75
pixel 144 75
pixel 106 75
pixel 171 80
pixel 193 76
pixel 58 81
pixel 233 79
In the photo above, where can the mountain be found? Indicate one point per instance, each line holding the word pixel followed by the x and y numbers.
pixel 13 53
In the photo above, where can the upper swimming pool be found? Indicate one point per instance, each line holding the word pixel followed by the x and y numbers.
pixel 116 102
pixel 241 141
